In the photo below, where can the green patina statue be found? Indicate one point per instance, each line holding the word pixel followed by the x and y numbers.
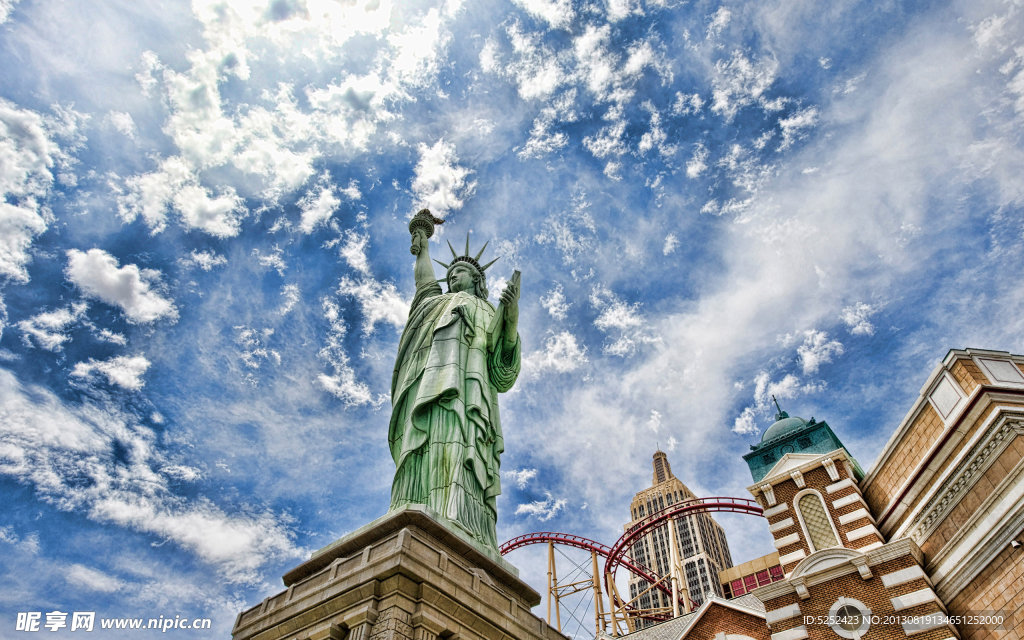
pixel 456 355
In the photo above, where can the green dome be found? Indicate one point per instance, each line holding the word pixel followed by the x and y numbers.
pixel 784 426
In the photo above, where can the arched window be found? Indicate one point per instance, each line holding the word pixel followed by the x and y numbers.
pixel 817 524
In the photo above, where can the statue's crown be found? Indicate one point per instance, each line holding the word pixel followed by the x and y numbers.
pixel 466 259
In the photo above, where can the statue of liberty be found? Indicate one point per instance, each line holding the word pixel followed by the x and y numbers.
pixel 456 355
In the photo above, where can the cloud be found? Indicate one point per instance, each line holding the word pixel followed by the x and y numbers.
pixel 378 301
pixel 654 423
pixel 123 122
pixel 254 351
pixel 98 275
pixel 342 383
pixel 623 321
pixel 856 318
pixel 687 104
pixel 561 354
pixel 440 182
pixel 521 477
pixel 317 207
pixel 83 577
pixel 70 455
pixel 794 127
pixel 6 7
pixel 817 350
pixel 557 13
pixel 572 232
pixel 47 330
pixel 718 21
pixel 555 304
pixel 543 510
pixel 739 82
pixel 176 186
pixel 535 68
pixel 27 156
pixel 671 242
pixel 698 163
pixel 354 251
pixel 291 295
pixel 205 260
pixel 273 260
pixel 122 371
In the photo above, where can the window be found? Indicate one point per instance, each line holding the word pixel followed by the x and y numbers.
pixel 776 573
pixel 737 587
pixel 817 523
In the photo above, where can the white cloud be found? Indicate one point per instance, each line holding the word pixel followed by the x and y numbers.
pixel 122 371
pixel 623 321
pixel 687 104
pixel 561 353
pixel 378 301
pixel 273 260
pixel 794 127
pixel 205 260
pixel 70 456
pixel 342 383
pixel 98 275
pixel 180 471
pixel 354 251
pixel 317 207
pixel 91 579
pixel 698 163
pixel 419 50
pixel 106 335
pixel 176 185
pixel 123 122
pixel 543 510
pixel 817 350
pixel 739 82
pixel 856 318
pixel 555 304
pixel 27 155
pixel 557 13
pixel 671 242
pixel 440 183
pixel 255 351
pixel 718 21
pixel 654 422
pixel 745 423
pixel 535 68
pixel 572 232
pixel 291 295
pixel 6 7
pixel 521 477
pixel 47 330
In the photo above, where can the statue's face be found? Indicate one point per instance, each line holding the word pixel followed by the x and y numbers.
pixel 461 279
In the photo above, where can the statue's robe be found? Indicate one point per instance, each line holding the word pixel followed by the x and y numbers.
pixel 445 433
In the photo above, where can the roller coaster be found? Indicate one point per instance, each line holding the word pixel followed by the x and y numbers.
pixel 622 612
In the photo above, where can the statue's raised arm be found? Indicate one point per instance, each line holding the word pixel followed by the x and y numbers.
pixel 445 430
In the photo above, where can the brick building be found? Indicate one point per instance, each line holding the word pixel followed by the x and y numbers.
pixel 926 544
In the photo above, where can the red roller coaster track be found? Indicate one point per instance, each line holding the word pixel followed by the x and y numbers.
pixel 616 555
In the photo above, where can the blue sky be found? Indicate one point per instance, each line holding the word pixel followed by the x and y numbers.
pixel 204 262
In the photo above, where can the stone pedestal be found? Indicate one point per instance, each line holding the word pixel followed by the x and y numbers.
pixel 405 576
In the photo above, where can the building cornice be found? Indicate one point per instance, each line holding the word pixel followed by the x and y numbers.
pixel 785 473
pixel 960 475
pixel 799 583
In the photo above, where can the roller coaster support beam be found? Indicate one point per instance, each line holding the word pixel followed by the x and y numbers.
pixel 598 599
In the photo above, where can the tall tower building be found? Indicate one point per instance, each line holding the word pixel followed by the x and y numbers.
pixel 701 546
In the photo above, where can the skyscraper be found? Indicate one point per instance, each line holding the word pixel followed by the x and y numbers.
pixel 701 546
